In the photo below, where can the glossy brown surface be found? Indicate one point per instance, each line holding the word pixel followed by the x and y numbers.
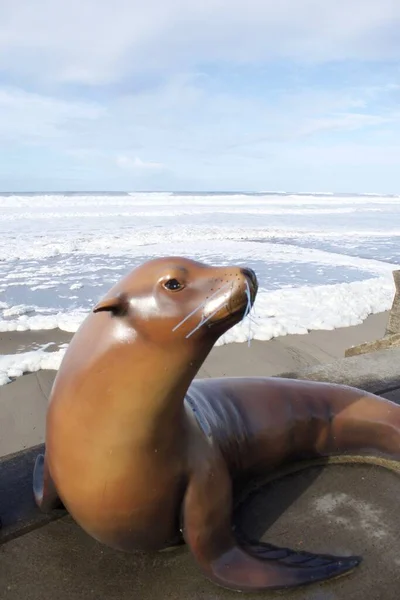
pixel 140 454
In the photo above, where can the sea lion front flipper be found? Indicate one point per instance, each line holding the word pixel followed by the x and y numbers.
pixel 207 528
pixel 44 490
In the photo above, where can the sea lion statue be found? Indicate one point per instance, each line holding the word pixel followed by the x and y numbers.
pixel 144 457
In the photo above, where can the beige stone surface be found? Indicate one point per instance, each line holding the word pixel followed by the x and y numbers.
pixel 347 509
pixel 393 325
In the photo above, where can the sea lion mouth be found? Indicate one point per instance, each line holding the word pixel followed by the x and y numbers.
pixel 237 310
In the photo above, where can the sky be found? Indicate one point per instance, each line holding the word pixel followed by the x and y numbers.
pixel 221 95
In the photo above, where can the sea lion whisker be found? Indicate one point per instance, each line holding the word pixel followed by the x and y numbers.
pixel 204 320
pixel 248 295
pixel 201 305
pixel 248 310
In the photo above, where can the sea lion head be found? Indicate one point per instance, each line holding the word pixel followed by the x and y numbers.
pixel 175 299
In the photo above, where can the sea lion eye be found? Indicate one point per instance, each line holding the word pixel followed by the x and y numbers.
pixel 173 285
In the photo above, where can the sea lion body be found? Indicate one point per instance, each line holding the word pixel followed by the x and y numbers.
pixel 116 509
pixel 143 456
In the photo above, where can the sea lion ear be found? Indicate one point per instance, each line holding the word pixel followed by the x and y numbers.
pixel 117 305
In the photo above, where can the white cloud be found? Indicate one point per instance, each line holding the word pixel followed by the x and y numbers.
pixel 301 124
pixel 188 124
pixel 31 118
pixel 344 122
pixel 350 154
pixel 101 41
pixel 209 132
pixel 134 164
pixel 84 153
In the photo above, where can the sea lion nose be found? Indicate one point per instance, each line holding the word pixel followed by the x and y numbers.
pixel 251 275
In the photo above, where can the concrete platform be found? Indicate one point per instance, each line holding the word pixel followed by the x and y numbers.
pixel 347 509
pixel 343 510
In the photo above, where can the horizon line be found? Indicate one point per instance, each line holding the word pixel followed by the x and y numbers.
pixel 200 192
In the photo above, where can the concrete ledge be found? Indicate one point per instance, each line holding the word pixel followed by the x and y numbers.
pixel 378 372
pixel 385 343
pixel 391 338
pixel 18 511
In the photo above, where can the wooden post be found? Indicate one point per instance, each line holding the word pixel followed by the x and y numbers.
pixel 393 325
pixel 391 339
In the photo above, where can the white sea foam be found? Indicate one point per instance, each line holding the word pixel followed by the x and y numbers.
pixel 66 202
pixel 300 310
pixel 277 313
pixel 15 365
pixel 66 321
pixel 323 261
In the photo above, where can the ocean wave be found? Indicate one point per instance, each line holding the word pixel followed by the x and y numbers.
pixel 146 199
pixel 323 260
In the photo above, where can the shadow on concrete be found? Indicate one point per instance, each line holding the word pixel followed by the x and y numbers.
pixel 278 504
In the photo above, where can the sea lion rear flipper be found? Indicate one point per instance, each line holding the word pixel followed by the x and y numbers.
pixel 44 490
pixel 249 566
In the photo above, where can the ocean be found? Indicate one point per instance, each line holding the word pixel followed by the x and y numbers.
pixel 323 260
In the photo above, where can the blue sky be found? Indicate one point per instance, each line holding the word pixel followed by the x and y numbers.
pixel 217 95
